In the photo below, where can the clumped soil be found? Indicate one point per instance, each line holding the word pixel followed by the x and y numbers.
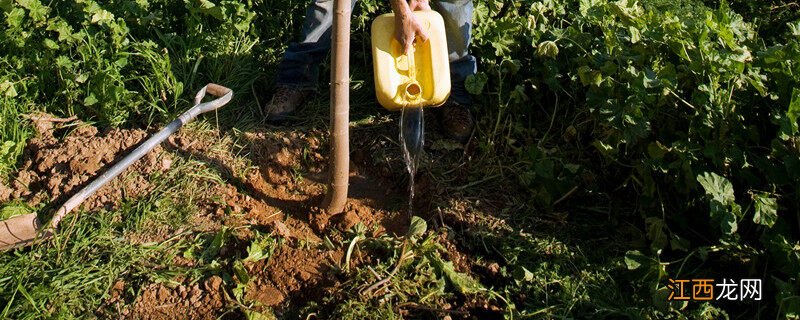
pixel 196 301
pixel 54 169
pixel 277 191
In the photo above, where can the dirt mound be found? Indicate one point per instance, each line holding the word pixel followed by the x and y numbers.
pixel 291 270
pixel 274 188
pixel 53 169
pixel 197 301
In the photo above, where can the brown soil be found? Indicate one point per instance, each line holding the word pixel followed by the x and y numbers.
pixel 196 301
pixel 275 280
pixel 266 194
pixel 54 169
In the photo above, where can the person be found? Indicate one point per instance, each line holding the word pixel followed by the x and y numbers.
pixel 298 72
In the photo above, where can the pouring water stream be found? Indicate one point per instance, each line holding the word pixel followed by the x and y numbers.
pixel 412 128
pixel 412 133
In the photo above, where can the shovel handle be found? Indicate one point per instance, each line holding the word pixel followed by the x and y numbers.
pixel 223 93
pixel 217 90
pixel 224 96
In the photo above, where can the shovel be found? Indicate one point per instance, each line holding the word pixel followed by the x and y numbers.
pixel 26 229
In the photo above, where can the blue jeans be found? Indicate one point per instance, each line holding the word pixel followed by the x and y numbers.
pixel 300 65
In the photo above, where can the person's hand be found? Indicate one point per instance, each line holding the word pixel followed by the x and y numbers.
pixel 419 5
pixel 407 28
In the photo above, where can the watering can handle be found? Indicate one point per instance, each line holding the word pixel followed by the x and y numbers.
pixel 412 69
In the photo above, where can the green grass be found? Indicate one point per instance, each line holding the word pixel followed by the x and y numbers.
pixel 71 275
pixel 13 135
pixel 581 159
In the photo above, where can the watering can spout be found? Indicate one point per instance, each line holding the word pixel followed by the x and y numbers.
pixel 413 91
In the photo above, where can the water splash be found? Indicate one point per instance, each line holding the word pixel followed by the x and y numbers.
pixel 412 138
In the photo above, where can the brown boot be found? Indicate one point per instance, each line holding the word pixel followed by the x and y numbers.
pixel 284 102
pixel 456 121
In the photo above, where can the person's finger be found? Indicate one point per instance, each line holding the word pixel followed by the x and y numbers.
pixel 419 5
pixel 408 44
pixel 421 36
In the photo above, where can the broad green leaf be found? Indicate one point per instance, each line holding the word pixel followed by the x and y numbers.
pixel 190 253
pixel 81 78
pixel 544 168
pixel 510 66
pixel 50 44
pixel 794 110
pixel 766 210
pixel 215 245
pixel 649 79
pixel 261 248
pixel 6 147
pixel 209 8
pixel 795 28
pixel 547 49
pixel 102 17
pixel 644 267
pixel 656 150
pixel 6 5
pixel 461 281
pixel 90 100
pixel 522 274
pixel 718 187
pixel 518 95
pixel 636 35
pixel 722 202
pixel 585 5
pixel 635 260
pixel 36 10
pixel 727 220
pixel 418 227
pixel 475 83
pixel 656 232
pixel 624 12
pixel 572 168
pixel 7 89
pixel 589 76
pixel 757 81
pixel 15 17
pixel 121 62
pixel 240 272
pixel 62 28
pixel 783 248
pixel 255 315
pixel 661 299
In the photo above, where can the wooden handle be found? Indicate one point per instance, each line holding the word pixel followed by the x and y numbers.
pixel 217 90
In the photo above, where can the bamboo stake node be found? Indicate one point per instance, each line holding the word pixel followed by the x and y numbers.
pixel 338 183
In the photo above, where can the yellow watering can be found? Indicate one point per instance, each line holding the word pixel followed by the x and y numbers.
pixel 420 79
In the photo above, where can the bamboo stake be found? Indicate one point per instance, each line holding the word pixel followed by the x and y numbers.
pixel 340 109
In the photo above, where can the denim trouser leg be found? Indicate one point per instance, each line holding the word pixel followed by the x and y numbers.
pixel 457 15
pixel 300 65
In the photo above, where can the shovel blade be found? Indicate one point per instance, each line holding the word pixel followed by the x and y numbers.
pixel 18 231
